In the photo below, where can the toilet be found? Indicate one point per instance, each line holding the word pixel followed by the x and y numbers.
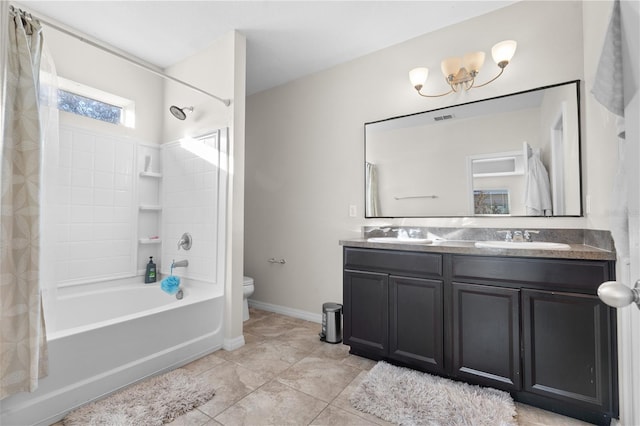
pixel 247 291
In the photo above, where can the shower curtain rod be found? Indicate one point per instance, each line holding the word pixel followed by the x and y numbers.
pixel 127 57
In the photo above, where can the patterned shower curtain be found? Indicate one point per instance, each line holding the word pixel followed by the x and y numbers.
pixel 23 351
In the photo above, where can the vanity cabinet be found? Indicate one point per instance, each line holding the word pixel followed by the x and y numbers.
pixel 531 326
pixel 416 322
pixel 393 307
pixel 567 348
pixel 486 335
pixel 366 312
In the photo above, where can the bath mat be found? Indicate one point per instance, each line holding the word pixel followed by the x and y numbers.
pixel 409 397
pixel 154 401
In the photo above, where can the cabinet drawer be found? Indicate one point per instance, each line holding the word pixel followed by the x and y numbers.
pixel 393 262
pixel 582 275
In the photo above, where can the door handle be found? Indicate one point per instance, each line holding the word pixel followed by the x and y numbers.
pixel 618 295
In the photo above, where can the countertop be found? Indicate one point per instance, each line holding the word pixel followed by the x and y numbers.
pixel 578 251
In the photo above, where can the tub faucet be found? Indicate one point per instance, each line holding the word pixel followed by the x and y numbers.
pixel 185 241
pixel 180 264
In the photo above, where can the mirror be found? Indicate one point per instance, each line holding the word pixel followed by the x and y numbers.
pixel 514 155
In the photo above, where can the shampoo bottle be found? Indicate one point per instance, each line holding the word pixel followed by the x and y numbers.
pixel 150 275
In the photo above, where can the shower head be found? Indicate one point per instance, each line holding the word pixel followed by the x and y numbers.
pixel 178 112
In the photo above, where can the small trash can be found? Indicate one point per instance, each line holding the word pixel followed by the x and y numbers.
pixel 331 323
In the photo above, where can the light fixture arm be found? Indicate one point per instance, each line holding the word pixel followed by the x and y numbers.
pixel 418 89
pixel 493 79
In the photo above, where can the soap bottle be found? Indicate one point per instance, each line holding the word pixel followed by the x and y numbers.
pixel 150 275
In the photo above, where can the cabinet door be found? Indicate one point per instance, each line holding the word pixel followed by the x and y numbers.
pixel 486 335
pixel 366 312
pixel 416 322
pixel 567 348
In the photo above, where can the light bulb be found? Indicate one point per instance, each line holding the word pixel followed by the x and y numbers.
pixel 503 52
pixel 418 77
pixel 451 66
pixel 473 61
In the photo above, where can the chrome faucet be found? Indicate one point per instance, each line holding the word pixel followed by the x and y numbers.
pixel 180 264
pixel 508 236
pixel 527 235
pixel 517 236
pixel 403 234
pixel 185 241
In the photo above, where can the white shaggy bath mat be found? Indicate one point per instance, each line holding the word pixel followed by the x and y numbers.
pixel 152 402
pixel 409 397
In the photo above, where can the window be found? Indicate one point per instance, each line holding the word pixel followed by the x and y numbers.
pixel 491 201
pixel 89 102
pixel 92 108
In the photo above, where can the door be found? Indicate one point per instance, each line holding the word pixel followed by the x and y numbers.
pixel 366 312
pixel 416 322
pixel 628 266
pixel 486 335
pixel 568 348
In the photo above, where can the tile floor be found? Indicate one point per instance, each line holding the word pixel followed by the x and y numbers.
pixel 285 376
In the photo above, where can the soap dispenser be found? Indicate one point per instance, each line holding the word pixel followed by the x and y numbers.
pixel 150 274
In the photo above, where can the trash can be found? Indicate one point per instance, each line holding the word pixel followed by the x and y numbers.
pixel 331 323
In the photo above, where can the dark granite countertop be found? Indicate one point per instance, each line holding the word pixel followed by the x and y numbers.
pixel 578 250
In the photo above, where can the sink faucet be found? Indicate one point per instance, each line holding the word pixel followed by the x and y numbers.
pixel 527 235
pixel 517 236
pixel 508 236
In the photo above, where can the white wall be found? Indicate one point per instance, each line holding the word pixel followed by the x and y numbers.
pixel 305 143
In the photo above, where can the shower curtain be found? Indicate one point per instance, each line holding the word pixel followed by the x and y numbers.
pixel 372 207
pixel 23 350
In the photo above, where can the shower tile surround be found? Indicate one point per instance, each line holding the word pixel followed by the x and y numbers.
pixel 92 202
pixel 190 190
pixel 96 219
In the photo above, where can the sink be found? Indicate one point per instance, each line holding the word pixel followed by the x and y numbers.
pixel 534 245
pixel 399 240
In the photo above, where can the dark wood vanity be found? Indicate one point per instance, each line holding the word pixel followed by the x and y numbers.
pixel 529 325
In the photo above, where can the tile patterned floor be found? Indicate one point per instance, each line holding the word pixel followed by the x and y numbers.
pixel 285 376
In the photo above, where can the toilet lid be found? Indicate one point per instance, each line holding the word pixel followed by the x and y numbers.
pixel 247 281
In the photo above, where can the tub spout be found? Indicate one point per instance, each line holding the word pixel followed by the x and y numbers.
pixel 180 264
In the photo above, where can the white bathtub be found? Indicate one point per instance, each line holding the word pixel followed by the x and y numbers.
pixel 108 335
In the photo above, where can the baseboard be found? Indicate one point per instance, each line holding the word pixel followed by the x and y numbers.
pixel 296 313
pixel 233 344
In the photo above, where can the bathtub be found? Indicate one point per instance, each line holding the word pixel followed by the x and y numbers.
pixel 107 335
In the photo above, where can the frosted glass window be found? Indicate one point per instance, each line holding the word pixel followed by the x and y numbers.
pixel 88 107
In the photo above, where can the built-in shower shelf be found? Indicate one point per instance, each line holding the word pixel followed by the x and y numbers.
pixel 147 207
pixel 150 241
pixel 151 174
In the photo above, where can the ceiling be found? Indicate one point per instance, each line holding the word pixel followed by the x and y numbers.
pixel 285 39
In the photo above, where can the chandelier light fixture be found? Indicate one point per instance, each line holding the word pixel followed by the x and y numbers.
pixel 460 73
